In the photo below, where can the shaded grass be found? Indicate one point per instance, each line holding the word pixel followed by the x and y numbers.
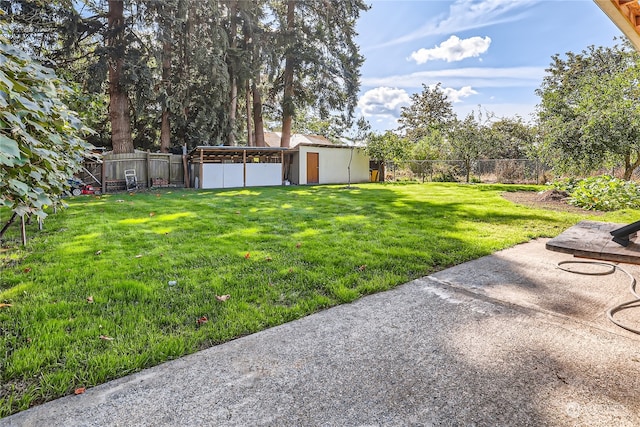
pixel 280 253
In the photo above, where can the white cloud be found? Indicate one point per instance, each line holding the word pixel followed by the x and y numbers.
pixel 459 77
pixel 453 49
pixel 465 15
pixel 382 105
pixel 457 95
pixel 383 101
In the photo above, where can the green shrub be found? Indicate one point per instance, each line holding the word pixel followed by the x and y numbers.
pixel 605 193
pixel 444 177
pixel 564 184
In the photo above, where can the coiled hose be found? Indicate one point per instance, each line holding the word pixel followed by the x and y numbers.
pixel 611 269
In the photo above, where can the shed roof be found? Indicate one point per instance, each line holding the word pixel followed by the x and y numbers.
pixel 272 139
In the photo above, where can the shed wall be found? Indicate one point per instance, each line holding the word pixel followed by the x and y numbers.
pixel 262 174
pixel 232 175
pixel 333 165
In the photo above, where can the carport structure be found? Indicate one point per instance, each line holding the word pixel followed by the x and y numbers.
pixel 232 167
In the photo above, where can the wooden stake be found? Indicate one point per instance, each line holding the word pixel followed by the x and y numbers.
pixel 23 231
pixel 201 167
pixel 185 174
pixel 104 177
pixel 169 157
pixel 244 168
pixel 148 169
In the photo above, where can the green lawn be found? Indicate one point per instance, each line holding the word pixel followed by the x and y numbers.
pixel 93 296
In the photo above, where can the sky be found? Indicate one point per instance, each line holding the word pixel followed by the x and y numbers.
pixel 487 53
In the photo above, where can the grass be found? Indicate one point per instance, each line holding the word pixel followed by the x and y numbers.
pixel 106 267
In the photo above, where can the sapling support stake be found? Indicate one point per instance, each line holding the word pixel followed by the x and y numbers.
pixel 23 231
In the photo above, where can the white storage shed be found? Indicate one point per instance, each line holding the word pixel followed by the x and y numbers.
pixel 313 159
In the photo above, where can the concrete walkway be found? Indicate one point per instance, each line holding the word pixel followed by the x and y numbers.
pixel 504 340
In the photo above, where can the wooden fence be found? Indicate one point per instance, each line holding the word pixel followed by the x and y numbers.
pixel 151 170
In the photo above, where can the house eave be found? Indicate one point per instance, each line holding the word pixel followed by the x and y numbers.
pixel 626 15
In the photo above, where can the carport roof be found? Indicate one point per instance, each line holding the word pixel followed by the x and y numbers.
pixel 228 149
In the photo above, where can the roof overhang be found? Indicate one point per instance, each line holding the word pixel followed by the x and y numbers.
pixel 237 149
pixel 626 15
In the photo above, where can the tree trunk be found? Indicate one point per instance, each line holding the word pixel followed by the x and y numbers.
pixel 8 224
pixel 165 125
pixel 247 98
pixel 233 105
pixel 258 122
pixel 119 113
pixel 467 165
pixel 181 72
pixel 233 108
pixel 287 101
pixel 630 166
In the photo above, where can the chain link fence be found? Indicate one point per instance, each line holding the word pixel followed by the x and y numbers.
pixel 504 171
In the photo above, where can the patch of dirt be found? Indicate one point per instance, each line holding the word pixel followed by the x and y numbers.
pixel 551 199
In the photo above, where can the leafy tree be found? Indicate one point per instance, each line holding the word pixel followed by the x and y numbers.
pixel 119 108
pixel 466 142
pixel 89 42
pixel 425 151
pixel 41 140
pixel 309 122
pixel 388 147
pixel 321 60
pixel 180 71
pixel 509 138
pixel 588 102
pixel 194 94
pixel 430 110
pixel 430 147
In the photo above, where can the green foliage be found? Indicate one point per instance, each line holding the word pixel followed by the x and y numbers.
pixel 324 59
pixel 467 142
pixel 177 61
pixel 564 184
pixel 41 143
pixel 509 138
pixel 605 193
pixel 388 147
pixel 447 175
pixel 430 147
pixel 93 110
pixel 586 102
pixel 429 110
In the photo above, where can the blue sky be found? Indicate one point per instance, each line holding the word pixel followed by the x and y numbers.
pixel 491 53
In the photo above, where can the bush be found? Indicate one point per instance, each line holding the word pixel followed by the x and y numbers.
pixel 605 193
pixel 564 184
pixel 445 177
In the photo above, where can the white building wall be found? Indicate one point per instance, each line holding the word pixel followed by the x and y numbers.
pixel 231 175
pixel 262 174
pixel 333 165
pixel 212 176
